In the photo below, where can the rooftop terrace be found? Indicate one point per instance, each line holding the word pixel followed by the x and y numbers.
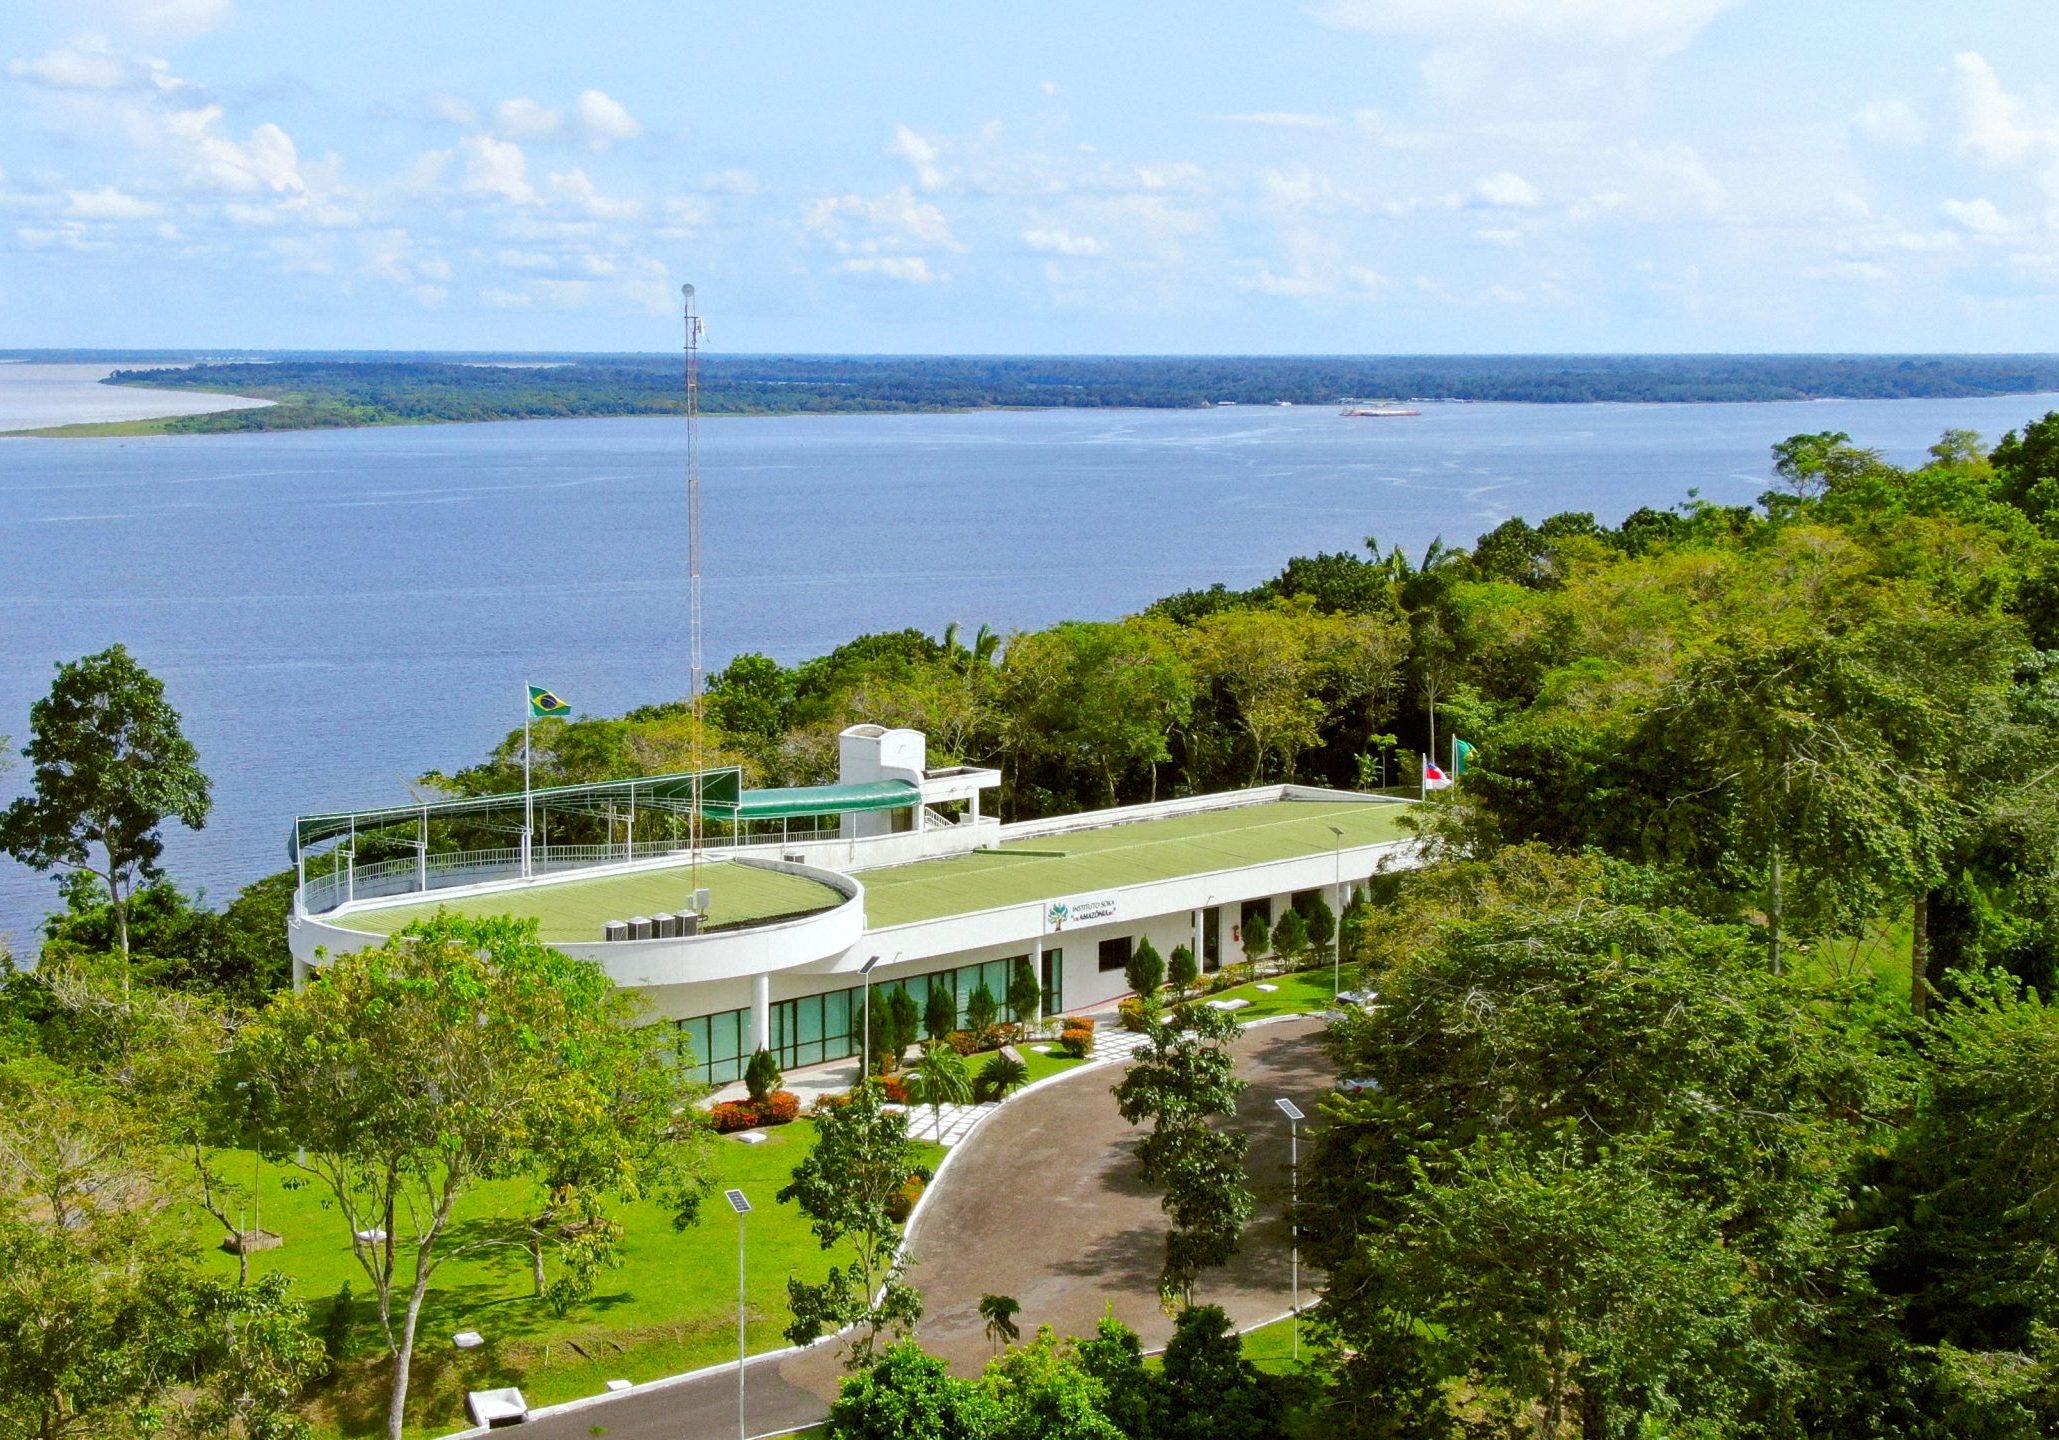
pixel 1023 871
pixel 575 910
pixel 1019 872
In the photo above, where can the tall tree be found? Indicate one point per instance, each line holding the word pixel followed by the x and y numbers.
pixel 846 1186
pixel 1180 1082
pixel 460 1052
pixel 109 766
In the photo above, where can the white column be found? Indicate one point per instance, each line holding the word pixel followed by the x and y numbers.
pixel 1200 955
pixel 1036 968
pixel 761 1013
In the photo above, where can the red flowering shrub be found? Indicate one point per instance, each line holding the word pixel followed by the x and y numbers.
pixel 732 1115
pixel 1076 1043
pixel 901 1204
pixel 894 1090
pixel 963 1041
pixel 781 1107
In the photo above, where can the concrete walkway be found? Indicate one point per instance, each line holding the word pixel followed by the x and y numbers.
pixel 1041 1202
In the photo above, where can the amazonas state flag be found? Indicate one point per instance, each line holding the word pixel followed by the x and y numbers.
pixel 1434 777
pixel 542 703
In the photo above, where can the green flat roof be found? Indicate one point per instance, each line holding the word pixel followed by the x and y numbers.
pixel 777 804
pixel 568 910
pixel 1084 861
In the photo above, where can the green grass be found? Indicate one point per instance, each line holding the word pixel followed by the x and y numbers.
pixel 1045 868
pixel 576 909
pixel 669 1307
pixel 1301 993
pixel 95 429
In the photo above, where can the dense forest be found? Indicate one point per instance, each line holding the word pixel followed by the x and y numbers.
pixel 1712 1089
pixel 343 391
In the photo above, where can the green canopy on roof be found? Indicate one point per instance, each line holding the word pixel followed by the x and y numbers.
pixel 791 803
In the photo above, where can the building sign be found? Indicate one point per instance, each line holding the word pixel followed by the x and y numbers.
pixel 1078 911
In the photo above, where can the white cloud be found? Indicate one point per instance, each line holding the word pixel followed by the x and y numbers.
pixel 731 182
pixel 89 64
pixel 1284 119
pixel 1892 122
pixel 453 110
pixel 175 19
pixel 524 119
pixel 605 120
pixel 1993 123
pixel 497 167
pixel 267 160
pixel 910 269
pixel 505 299
pixel 1499 237
pixel 1977 216
pixel 1062 242
pixel 1180 176
pixel 1507 189
pixel 920 153
pixel 1657 26
pixel 897 212
pixel 575 189
pixel 108 203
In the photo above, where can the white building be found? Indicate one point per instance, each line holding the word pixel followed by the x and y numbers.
pixel 895 861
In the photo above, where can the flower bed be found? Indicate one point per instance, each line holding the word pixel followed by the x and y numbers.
pixel 781 1107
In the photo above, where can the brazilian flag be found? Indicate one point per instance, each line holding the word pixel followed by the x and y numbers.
pixel 1461 756
pixel 542 703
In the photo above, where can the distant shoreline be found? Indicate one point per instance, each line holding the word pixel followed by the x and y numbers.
pixel 296 393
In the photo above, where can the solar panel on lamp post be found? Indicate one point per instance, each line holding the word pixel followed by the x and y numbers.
pixel 1294 1118
pixel 742 1207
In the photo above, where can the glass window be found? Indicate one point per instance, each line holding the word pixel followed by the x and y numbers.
pixel 1054 982
pixel 712 1046
pixel 1115 954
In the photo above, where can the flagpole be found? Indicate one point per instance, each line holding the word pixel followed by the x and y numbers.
pixel 528 803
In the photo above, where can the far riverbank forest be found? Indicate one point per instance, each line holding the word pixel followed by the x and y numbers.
pixel 1711 1088
pixel 324 391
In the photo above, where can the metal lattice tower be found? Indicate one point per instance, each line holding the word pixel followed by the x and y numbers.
pixel 693 565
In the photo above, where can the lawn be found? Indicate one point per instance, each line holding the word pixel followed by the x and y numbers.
pixel 1046 867
pixel 669 1307
pixel 576 909
pixel 1303 992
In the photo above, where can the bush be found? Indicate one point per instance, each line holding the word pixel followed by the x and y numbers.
pixel 981 1011
pixel 1137 1013
pixel 1025 995
pixel 894 1089
pixel 1076 1022
pixel 781 1107
pixel 901 1204
pixel 1182 970
pixel 336 1326
pixel 1146 970
pixel 939 1012
pixel 761 1076
pixel 733 1115
pixel 1002 1074
pixel 1076 1043
pixel 963 1041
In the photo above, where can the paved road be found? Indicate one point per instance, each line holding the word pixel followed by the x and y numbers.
pixel 1042 1203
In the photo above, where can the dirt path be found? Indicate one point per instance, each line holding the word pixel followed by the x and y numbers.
pixel 1042 1203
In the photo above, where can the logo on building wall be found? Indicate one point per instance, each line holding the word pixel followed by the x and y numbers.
pixel 1078 910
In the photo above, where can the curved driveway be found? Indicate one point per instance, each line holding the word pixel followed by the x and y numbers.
pixel 1041 1202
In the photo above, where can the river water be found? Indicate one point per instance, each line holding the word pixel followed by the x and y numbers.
pixel 335 612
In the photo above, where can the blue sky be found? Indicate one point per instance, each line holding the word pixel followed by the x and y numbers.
pixel 1365 176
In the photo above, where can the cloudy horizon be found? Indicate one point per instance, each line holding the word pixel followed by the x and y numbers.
pixel 1349 176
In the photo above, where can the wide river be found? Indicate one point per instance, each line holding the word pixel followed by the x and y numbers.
pixel 336 612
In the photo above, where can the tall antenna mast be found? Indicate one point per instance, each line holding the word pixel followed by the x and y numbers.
pixel 693 567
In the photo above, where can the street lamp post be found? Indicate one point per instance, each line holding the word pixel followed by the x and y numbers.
pixel 1294 1118
pixel 1337 896
pixel 742 1207
pixel 865 1055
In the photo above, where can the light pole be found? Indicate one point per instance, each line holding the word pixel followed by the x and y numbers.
pixel 1337 895
pixel 865 1055
pixel 1294 1118
pixel 742 1207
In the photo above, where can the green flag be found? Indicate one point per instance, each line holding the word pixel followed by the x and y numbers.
pixel 1461 756
pixel 543 703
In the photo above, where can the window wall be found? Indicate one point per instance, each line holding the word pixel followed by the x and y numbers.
pixel 716 1046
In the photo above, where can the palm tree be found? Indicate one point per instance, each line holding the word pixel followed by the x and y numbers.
pixel 938 1079
pixel 999 1311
